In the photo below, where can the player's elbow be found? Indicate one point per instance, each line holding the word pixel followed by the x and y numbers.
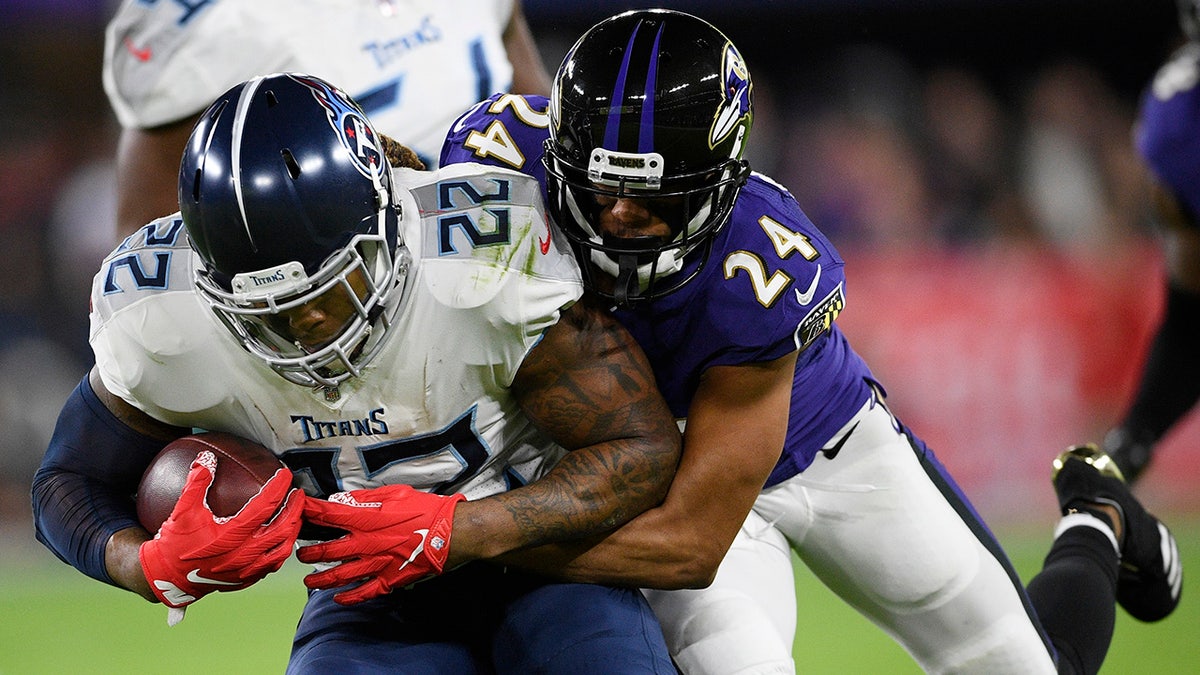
pixel 689 576
pixel 694 566
pixel 701 569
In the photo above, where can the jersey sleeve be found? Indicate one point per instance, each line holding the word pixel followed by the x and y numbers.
pixel 149 329
pixel 487 251
pixel 165 61
pixel 506 130
pixel 1167 133
pixel 780 283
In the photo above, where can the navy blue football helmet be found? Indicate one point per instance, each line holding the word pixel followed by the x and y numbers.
pixel 656 105
pixel 286 196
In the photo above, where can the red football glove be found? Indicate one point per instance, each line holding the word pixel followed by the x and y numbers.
pixel 196 552
pixel 397 535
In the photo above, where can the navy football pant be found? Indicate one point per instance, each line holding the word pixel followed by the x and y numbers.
pixel 481 619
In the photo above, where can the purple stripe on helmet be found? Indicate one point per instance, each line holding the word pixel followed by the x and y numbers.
pixel 646 130
pixel 613 127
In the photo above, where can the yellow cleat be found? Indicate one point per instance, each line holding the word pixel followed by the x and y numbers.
pixel 1091 454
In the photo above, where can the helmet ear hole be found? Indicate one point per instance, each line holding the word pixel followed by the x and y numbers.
pixel 196 186
pixel 289 160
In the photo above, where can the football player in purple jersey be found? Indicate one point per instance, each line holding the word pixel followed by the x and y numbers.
pixel 1167 135
pixel 789 444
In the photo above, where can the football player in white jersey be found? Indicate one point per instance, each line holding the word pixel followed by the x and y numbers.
pixel 733 293
pixel 413 65
pixel 415 346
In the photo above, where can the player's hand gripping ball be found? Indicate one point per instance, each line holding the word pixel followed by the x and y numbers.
pixel 243 468
pixel 231 517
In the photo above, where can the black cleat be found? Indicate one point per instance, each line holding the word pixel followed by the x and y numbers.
pixel 1151 575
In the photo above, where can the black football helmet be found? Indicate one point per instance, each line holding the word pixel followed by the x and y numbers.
pixel 286 195
pixel 648 104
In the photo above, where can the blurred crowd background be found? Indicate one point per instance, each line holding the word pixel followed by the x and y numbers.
pixel 972 159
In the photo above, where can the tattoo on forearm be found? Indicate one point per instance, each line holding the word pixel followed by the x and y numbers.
pixel 596 396
pixel 592 490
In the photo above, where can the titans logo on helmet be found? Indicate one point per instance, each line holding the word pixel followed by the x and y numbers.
pixel 350 122
pixel 736 108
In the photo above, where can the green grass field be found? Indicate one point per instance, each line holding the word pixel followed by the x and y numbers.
pixel 57 621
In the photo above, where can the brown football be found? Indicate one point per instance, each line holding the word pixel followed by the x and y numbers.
pixel 243 467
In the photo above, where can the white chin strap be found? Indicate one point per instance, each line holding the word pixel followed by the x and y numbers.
pixel 669 262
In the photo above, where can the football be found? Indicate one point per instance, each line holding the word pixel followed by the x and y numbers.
pixel 243 467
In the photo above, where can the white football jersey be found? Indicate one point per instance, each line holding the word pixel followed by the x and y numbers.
pixel 413 65
pixel 433 409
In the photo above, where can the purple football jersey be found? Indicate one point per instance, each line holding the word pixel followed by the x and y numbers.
pixel 1168 129
pixel 773 285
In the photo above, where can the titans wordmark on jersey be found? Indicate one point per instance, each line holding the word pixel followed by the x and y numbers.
pixel 432 410
pixel 412 66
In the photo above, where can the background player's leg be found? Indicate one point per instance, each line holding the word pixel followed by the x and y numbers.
pixel 1075 593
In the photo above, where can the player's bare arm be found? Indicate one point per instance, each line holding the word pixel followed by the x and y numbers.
pixel 148 173
pixel 529 70
pixel 735 432
pixel 588 385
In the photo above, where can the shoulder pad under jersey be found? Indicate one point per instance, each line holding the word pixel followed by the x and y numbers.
pixel 505 130
pixel 481 230
pixel 149 328
pixel 777 270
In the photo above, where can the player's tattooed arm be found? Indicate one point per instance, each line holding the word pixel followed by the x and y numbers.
pixel 736 426
pixel 590 388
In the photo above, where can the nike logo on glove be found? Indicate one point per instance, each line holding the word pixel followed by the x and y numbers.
pixel 174 594
pixel 807 296
pixel 195 578
pixel 416 551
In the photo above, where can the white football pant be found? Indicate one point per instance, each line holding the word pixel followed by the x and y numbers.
pixel 875 529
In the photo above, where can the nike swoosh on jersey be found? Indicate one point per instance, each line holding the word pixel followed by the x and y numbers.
pixel 807 296
pixel 142 54
pixel 195 578
pixel 544 244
